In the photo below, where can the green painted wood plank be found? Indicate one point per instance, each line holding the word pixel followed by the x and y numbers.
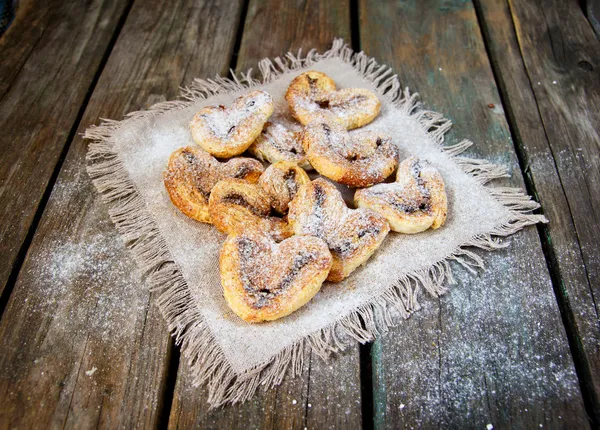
pixel 493 351
pixel 552 101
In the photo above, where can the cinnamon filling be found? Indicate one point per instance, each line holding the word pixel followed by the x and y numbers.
pixel 346 247
pixel 290 182
pixel 319 195
pixel 239 200
pixel 190 158
pixel 300 261
pixel 371 230
pixel 346 103
pixel 193 163
pixel 262 295
pixel 242 172
pixel 328 105
pixel 312 84
pixel 424 205
pixel 317 217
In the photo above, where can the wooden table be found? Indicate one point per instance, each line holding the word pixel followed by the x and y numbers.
pixel 82 343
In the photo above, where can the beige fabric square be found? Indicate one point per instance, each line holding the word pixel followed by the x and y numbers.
pixel 180 255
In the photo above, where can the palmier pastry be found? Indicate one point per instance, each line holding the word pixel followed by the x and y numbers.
pixel 360 159
pixel 235 205
pixel 352 235
pixel 312 95
pixel 277 143
pixel 225 132
pixel 264 281
pixel 192 173
pixel 281 182
pixel 414 203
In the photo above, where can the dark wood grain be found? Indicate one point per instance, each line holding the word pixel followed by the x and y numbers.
pixel 48 59
pixel 493 351
pixel 556 127
pixel 273 28
pixel 326 395
pixel 83 343
pixel 592 10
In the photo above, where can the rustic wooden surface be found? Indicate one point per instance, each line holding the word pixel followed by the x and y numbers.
pixel 49 57
pixel 331 389
pixel 78 304
pixel 449 377
pixel 82 341
pixel 543 83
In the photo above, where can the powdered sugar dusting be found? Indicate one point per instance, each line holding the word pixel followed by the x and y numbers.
pixel 484 348
pixel 246 346
pixel 278 143
pixel 348 105
pixel 362 158
pixel 223 121
pixel 94 282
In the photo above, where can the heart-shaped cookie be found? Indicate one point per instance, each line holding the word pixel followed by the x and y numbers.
pixel 225 132
pixel 192 173
pixel 235 205
pixel 352 235
pixel 415 202
pixel 281 181
pixel 277 143
pixel 360 159
pixel 263 280
pixel 312 95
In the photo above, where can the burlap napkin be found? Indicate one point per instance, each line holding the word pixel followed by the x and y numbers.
pixel 180 256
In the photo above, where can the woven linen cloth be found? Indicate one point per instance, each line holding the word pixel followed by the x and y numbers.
pixel 180 256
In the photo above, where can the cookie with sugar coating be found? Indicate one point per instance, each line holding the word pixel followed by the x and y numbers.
pixel 281 181
pixel 192 173
pixel 228 131
pixel 360 159
pixel 313 95
pixel 352 235
pixel 278 143
pixel 263 280
pixel 415 202
pixel 235 205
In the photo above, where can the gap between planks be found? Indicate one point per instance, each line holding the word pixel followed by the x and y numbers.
pixel 580 361
pixel 14 273
pixel 365 356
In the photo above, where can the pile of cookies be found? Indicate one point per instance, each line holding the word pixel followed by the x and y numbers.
pixel 287 234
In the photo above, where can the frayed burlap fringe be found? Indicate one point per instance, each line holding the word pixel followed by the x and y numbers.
pixel 207 362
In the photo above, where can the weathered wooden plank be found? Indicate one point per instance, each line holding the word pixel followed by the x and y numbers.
pixel 273 28
pixel 326 395
pixel 82 341
pixel 48 59
pixel 493 351
pixel 592 10
pixel 561 160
